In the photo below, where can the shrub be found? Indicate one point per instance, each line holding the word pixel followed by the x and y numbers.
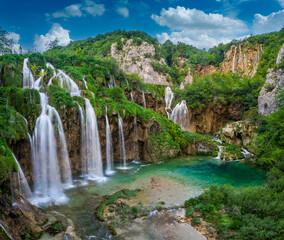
pixel 189 212
pixel 195 221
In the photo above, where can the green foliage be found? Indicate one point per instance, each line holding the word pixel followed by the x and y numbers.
pixel 159 207
pixel 60 97
pixel 189 211
pixel 195 221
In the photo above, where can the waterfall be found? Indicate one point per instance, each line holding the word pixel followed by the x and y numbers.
pixel 85 83
pixel 144 100
pixel 111 83
pixel 135 145
pixel 131 95
pixel 65 81
pixel 246 153
pixel 127 81
pixel 38 83
pixel 219 152
pixel 28 78
pixel 234 58
pixel 48 184
pixel 83 142
pixel 109 153
pixel 24 187
pixel 121 144
pixel 169 95
pixel 3 229
pixel 180 115
pixel 93 158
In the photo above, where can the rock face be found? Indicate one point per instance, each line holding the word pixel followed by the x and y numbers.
pixel 242 59
pixel 266 100
pixel 203 70
pixel 212 117
pixel 137 59
pixel 240 133
pixel 280 55
pixel 239 59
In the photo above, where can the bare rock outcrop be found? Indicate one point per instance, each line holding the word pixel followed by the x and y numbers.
pixel 137 59
pixel 280 55
pixel 240 133
pixel 266 100
pixel 241 58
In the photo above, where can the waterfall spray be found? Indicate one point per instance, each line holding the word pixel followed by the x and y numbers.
pixel 109 153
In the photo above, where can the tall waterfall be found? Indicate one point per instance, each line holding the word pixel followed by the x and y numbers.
pixel 121 143
pixel 38 83
pixel 144 100
pixel 234 59
pixel 180 115
pixel 48 178
pixel 93 159
pixel 22 182
pixel 169 96
pixel 109 153
pixel 28 78
pixel 83 142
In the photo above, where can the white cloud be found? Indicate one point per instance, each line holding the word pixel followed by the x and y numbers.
pixel 197 28
pixel 15 46
pixel 281 2
pixel 77 10
pixel 93 8
pixel 123 12
pixel 56 33
pixel 270 23
pixel 70 11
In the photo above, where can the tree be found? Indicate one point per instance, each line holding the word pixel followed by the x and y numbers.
pixel 5 43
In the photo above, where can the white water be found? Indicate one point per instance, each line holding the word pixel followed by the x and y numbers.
pixel 144 100
pixel 83 144
pixel 234 59
pixel 109 153
pixel 93 158
pixel 131 95
pixel 48 181
pixel 38 83
pixel 121 144
pixel 180 115
pixel 111 83
pixel 24 187
pixel 28 78
pixel 85 83
pixel 219 152
pixel 5 231
pixel 65 81
pixel 169 96
pixel 246 153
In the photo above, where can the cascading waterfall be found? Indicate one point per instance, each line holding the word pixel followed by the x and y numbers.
pixel 135 145
pixel 48 184
pixel 169 95
pixel 83 142
pixel 109 153
pixel 234 58
pixel 85 83
pixel 131 95
pixel 22 182
pixel 219 152
pixel 38 83
pixel 111 83
pixel 93 158
pixel 144 100
pixel 121 144
pixel 28 78
pixel 180 115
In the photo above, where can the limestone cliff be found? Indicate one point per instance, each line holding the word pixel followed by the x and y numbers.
pixel 241 58
pixel 137 59
pixel 240 133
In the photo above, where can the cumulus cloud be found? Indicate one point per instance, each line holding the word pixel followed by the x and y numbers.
pixel 15 47
pixel 123 11
pixel 281 2
pixel 197 28
pixel 56 34
pixel 270 23
pixel 88 7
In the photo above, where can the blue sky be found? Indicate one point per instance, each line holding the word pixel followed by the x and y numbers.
pixel 196 22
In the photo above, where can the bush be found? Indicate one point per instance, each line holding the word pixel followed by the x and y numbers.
pixel 189 212
pixel 195 221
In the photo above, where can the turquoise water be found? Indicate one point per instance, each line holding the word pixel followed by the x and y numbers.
pixel 194 173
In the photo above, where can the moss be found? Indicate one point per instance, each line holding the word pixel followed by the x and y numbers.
pixel 125 193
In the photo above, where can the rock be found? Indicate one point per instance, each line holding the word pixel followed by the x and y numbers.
pixel 242 58
pixel 203 70
pixel 240 133
pixel 137 59
pixel 280 55
pixel 266 100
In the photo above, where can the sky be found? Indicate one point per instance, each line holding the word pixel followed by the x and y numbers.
pixel 201 23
